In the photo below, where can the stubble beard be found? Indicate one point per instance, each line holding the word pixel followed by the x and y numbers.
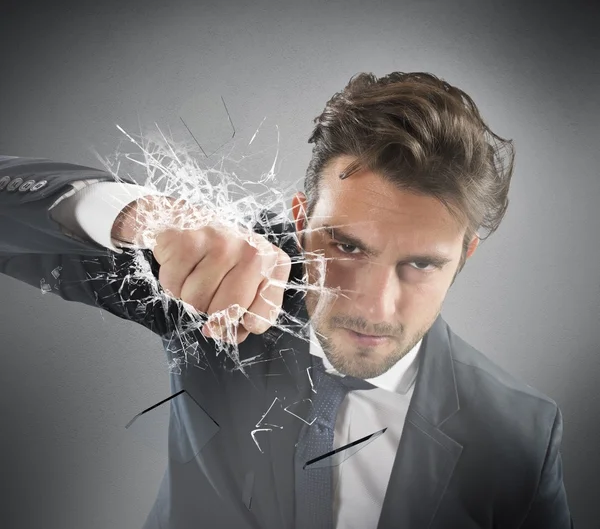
pixel 357 361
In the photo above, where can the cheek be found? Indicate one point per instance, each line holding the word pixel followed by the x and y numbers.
pixel 425 298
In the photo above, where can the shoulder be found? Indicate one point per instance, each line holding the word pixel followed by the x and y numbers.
pixel 474 367
pixel 502 409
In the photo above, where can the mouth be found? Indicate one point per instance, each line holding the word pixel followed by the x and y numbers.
pixel 367 339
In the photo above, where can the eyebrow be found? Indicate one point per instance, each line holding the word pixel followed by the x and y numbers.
pixel 341 236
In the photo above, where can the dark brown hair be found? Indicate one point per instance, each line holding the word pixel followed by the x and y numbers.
pixel 424 135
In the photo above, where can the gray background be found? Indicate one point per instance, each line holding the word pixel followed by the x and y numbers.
pixel 71 376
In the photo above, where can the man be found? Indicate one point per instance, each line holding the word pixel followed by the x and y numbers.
pixel 375 414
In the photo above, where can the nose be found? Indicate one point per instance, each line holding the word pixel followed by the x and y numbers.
pixel 377 293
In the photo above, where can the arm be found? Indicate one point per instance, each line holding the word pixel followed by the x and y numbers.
pixel 549 508
pixel 33 244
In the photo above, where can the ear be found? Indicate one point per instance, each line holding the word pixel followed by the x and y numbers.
pixel 299 208
pixel 472 246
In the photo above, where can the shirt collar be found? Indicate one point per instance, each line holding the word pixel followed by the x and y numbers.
pixel 398 379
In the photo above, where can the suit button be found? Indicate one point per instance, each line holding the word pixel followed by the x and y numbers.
pixel 14 184
pixel 39 185
pixel 4 181
pixel 26 186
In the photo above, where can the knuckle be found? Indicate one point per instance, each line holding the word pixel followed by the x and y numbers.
pixel 220 245
pixel 215 236
pixel 251 252
pixel 191 243
pixel 189 238
pixel 163 237
pixel 162 251
pixel 247 255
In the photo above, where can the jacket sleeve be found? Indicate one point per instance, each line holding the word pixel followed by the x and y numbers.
pixel 549 508
pixel 36 250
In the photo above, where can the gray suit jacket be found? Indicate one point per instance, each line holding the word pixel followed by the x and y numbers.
pixel 479 449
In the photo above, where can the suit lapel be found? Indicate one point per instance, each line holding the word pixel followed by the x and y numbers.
pixel 426 456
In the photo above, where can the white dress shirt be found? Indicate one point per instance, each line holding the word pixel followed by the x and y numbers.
pixel 89 210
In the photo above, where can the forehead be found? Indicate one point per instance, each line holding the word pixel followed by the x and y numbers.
pixel 372 207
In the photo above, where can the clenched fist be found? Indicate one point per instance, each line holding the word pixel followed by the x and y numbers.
pixel 236 280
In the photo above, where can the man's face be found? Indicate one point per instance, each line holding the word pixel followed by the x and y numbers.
pixel 380 246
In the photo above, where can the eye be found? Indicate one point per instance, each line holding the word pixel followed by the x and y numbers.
pixel 425 264
pixel 347 248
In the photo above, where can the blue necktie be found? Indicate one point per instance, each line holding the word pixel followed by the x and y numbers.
pixel 314 494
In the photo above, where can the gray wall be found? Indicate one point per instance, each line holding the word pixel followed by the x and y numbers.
pixel 71 376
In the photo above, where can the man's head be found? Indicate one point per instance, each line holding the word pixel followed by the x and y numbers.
pixel 404 173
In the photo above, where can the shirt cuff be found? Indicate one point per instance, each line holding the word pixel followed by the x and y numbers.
pixel 92 211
